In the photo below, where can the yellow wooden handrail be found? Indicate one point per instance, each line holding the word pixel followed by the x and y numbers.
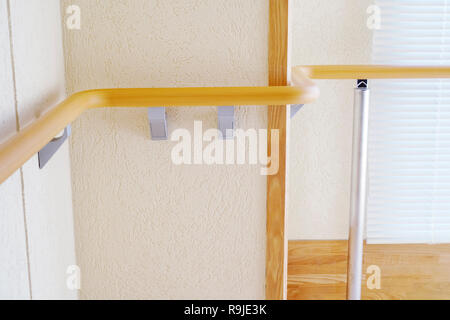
pixel 17 150
pixel 21 147
pixel 370 72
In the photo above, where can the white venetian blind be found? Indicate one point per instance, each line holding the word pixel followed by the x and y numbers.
pixel 409 139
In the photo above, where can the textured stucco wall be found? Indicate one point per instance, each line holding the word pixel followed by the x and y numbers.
pixel 36 229
pixel 325 32
pixel 146 228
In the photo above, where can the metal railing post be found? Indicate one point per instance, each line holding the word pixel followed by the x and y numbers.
pixel 358 190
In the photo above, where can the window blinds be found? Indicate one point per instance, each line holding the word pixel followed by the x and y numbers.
pixel 409 132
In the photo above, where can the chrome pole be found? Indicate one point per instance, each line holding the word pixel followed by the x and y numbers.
pixel 358 190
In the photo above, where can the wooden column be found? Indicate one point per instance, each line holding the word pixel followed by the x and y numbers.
pixel 278 118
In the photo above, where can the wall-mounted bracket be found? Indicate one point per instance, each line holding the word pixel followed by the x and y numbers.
pixel 158 123
pixel 47 152
pixel 225 121
pixel 295 108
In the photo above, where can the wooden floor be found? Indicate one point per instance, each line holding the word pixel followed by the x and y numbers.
pixel 317 270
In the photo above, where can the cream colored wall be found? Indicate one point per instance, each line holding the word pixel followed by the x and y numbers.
pixel 36 229
pixel 325 32
pixel 146 228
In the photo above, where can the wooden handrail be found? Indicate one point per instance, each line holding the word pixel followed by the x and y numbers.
pixel 21 147
pixel 17 150
pixel 370 72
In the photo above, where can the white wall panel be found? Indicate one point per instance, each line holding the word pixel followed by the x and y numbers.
pixel 39 65
pixel 13 254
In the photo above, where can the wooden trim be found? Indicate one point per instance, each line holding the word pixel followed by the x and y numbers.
pixel 371 72
pixel 317 270
pixel 278 119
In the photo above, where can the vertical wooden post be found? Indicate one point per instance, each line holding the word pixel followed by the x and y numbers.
pixel 278 119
